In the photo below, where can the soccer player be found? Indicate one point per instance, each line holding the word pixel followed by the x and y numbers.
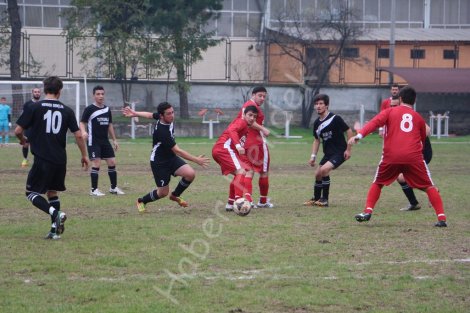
pixel 413 204
pixel 257 152
pixel 328 128
pixel 386 103
pixel 5 120
pixel 36 95
pixel 48 122
pixel 98 120
pixel 228 150
pixel 166 157
pixel 402 153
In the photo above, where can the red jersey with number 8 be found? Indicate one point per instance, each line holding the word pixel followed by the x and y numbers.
pixel 404 135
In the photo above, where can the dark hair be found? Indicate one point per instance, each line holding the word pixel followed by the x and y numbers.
pixel 52 85
pixel 162 107
pixel 408 95
pixel 396 86
pixel 258 89
pixel 322 96
pixel 250 108
pixel 97 88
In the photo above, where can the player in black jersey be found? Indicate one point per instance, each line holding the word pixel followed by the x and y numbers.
pixel 166 157
pixel 48 122
pixel 96 123
pixel 36 95
pixel 330 128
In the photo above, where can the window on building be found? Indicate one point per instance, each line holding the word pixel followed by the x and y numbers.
pixel 451 55
pixel 417 53
pixel 383 53
pixel 316 61
pixel 350 53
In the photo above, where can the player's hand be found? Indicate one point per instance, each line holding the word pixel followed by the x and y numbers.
pixel 311 162
pixel 203 161
pixel 347 155
pixel 116 145
pixel 85 136
pixel 128 112
pixel 265 132
pixel 85 163
pixel 9 124
pixel 353 140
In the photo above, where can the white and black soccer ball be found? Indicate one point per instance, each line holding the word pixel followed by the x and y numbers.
pixel 241 207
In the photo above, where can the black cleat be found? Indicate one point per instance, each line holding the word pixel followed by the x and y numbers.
pixel 52 236
pixel 441 224
pixel 59 222
pixel 411 207
pixel 363 217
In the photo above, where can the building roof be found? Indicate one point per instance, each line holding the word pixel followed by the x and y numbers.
pixel 434 80
pixel 417 34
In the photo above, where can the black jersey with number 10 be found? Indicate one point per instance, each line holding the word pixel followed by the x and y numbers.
pixel 48 122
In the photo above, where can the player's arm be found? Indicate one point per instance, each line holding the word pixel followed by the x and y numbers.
pixel 347 152
pixel 261 128
pixel 9 120
pixel 428 130
pixel 128 112
pixel 315 147
pixel 233 130
pixel 83 126
pixel 81 145
pixel 113 136
pixel 19 133
pixel 201 160
pixel 372 125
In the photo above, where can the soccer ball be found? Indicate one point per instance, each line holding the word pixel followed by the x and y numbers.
pixel 241 207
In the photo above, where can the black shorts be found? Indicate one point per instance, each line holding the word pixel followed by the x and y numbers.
pixel 163 171
pixel 45 176
pixel 335 159
pixel 100 151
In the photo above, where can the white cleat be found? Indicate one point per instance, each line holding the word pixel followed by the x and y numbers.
pixel 265 205
pixel 96 193
pixel 116 191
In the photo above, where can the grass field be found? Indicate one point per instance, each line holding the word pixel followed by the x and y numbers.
pixel 291 258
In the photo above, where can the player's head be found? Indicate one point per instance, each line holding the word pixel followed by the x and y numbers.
pixel 395 101
pixel 258 94
pixel 394 90
pixel 166 112
pixel 36 93
pixel 321 103
pixel 98 94
pixel 53 85
pixel 3 100
pixel 408 95
pixel 249 114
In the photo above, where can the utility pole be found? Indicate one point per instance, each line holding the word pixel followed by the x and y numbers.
pixel 392 39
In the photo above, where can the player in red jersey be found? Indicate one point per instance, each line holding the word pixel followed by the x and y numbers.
pixel 229 148
pixel 387 103
pixel 404 136
pixel 257 152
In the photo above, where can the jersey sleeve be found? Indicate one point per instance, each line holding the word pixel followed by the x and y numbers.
pixel 167 140
pixel 86 115
pixel 25 118
pixel 315 127
pixel 235 129
pixel 156 116
pixel 110 116
pixel 343 126
pixel 376 122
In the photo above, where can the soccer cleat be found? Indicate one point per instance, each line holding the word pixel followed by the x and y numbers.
pixel 253 206
pixel 24 163
pixel 179 200
pixel 363 217
pixel 116 191
pixel 441 224
pixel 52 236
pixel 229 207
pixel 411 207
pixel 140 206
pixel 265 205
pixel 59 222
pixel 310 202
pixel 321 202
pixel 96 193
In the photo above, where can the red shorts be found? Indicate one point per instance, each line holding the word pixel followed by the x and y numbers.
pixel 417 174
pixel 228 159
pixel 258 156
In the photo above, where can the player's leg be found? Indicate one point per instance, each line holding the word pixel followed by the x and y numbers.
pixel 187 174
pixel 323 175
pixel 94 154
pixel 248 186
pixel 262 167
pixel 107 154
pixel 413 204
pixel 317 187
pixel 161 175
pixel 25 151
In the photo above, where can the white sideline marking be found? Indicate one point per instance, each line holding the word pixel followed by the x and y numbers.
pixel 417 261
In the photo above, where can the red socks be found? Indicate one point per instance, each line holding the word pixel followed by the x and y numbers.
pixel 436 202
pixel 263 189
pixel 238 185
pixel 248 188
pixel 372 197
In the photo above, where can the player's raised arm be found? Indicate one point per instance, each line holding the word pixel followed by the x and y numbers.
pixel 201 160
pixel 128 112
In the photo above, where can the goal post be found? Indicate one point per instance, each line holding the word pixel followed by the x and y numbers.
pixel 17 92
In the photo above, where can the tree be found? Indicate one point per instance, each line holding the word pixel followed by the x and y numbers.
pixel 180 27
pixel 112 34
pixel 317 41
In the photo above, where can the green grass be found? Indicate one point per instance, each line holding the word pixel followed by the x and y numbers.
pixel 202 259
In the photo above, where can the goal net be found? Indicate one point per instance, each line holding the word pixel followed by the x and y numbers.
pixel 16 93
